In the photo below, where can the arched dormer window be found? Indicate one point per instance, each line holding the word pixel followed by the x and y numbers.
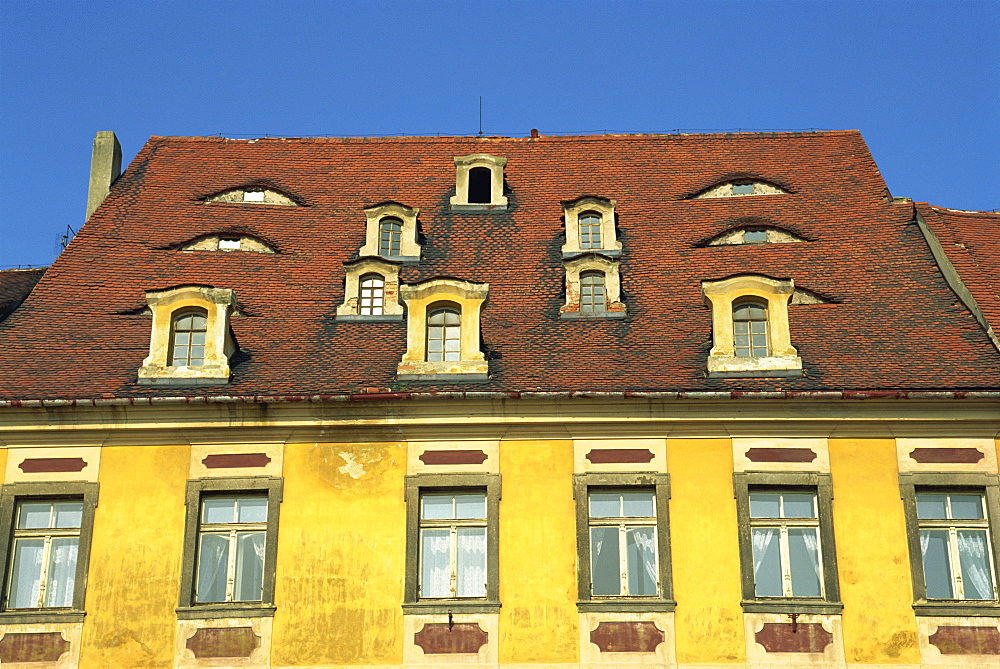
pixel 592 295
pixel 391 232
pixel 187 338
pixel 753 232
pixel 590 226
pixel 372 295
pixel 191 340
pixel 750 333
pixel 390 237
pixel 590 230
pixel 750 329
pixel 444 333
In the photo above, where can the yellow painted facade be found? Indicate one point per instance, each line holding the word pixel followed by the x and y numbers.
pixel 341 560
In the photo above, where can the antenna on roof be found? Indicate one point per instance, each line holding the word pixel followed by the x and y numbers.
pixel 480 115
pixel 65 237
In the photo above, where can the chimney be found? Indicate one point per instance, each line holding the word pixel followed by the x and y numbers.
pixel 105 166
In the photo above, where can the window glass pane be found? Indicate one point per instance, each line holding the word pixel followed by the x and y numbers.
pixel 25 573
pixel 800 505
pixel 253 196
pixel 470 505
pixel 972 555
pixel 229 244
pixel 640 547
pixel 437 507
pixel 435 563
pixel 966 507
pixel 638 503
pixel 803 554
pixel 471 575
pixel 61 575
pixel 765 505
pixel 605 562
pixel 34 515
pixel 937 566
pixel 605 504
pixel 213 563
pixel 197 339
pixel 932 505
pixel 742 189
pixel 218 510
pixel 766 562
pixel 182 339
pixel 249 577
pixel 755 236
pixel 251 510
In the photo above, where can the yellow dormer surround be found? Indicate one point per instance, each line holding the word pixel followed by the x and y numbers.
pixel 463 200
pixel 582 239
pixel 409 249
pixel 454 296
pixel 378 301
pixel 216 305
pixel 604 298
pixel 782 358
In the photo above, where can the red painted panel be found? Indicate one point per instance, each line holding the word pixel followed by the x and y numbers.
pixel 627 637
pixel 440 638
pixel 950 455
pixel 619 455
pixel 224 642
pixel 40 465
pixel 226 460
pixel 781 455
pixel 32 647
pixel 793 638
pixel 966 640
pixel 453 457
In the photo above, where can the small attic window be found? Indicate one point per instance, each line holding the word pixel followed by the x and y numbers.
pixel 480 185
pixel 252 195
pixel 741 188
pixel 228 243
pixel 758 234
pixel 755 237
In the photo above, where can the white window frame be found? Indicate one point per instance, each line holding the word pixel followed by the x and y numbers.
pixel 47 535
pixel 623 523
pixel 782 523
pixel 452 525
pixel 230 529
pixel 953 525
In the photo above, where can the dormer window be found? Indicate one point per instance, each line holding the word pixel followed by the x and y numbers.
pixel 479 183
pixel 391 232
pixel 753 234
pixel 444 329
pixel 253 195
pixel 371 288
pixel 390 237
pixel 229 243
pixel 187 338
pixel 191 339
pixel 590 226
pixel 750 329
pixel 593 288
pixel 754 237
pixel 750 333
pixel 741 188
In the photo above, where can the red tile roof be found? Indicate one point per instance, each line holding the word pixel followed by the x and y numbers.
pixel 15 285
pixel 894 323
pixel 971 240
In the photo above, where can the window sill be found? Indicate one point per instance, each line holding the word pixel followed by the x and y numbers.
pixel 610 253
pixel 453 606
pixel 579 315
pixel 626 605
pixel 382 318
pixel 792 606
pixel 30 617
pixel 737 367
pixel 962 608
pixel 207 611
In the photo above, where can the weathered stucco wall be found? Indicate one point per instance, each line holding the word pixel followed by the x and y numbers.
pixel 538 620
pixel 341 555
pixel 705 551
pixel 135 559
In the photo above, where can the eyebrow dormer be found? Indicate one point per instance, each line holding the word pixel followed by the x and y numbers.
pixel 228 242
pixel 253 195
pixel 741 188
pixel 754 234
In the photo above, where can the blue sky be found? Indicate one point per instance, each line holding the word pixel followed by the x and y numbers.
pixel 920 79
